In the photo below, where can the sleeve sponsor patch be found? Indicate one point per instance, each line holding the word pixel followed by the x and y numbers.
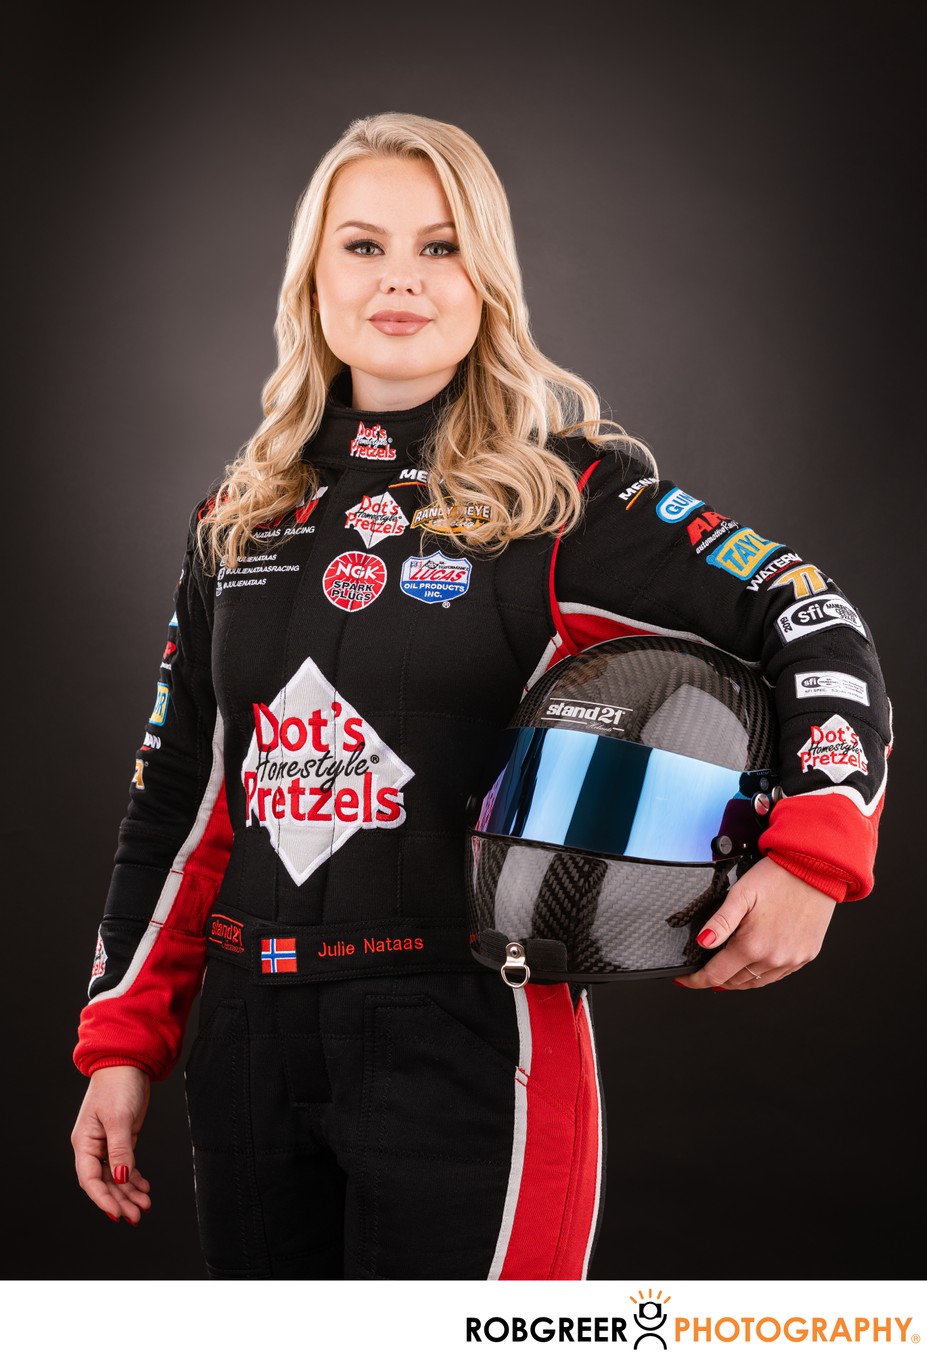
pixel 834 749
pixel 828 684
pixel 823 611
pixel 676 506
pixel 742 553
pixel 159 711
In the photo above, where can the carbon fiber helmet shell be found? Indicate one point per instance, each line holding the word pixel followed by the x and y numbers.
pixel 623 800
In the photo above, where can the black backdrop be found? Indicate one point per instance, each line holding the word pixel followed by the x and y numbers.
pixel 715 215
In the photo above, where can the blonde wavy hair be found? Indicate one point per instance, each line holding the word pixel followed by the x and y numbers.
pixel 488 445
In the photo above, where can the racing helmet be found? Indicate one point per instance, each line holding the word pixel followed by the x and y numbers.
pixel 621 803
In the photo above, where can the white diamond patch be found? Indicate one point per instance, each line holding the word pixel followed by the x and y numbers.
pixel 377 518
pixel 835 749
pixel 316 772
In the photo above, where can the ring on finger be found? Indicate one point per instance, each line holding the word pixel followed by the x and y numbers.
pixel 755 975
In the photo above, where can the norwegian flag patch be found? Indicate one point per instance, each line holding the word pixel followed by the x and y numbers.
pixel 278 955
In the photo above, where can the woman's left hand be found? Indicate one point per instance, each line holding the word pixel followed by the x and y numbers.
pixel 770 924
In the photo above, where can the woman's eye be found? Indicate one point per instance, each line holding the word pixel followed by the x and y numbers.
pixel 368 248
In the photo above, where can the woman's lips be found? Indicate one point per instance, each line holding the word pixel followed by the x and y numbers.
pixel 398 322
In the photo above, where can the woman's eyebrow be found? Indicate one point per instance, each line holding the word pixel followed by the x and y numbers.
pixel 381 231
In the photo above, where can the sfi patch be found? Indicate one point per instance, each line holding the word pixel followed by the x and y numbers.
pixel 829 684
pixel 435 579
pixel 353 580
pixel 834 749
pixel 316 772
pixel 824 611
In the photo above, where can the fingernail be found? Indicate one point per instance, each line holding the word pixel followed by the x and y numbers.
pixel 121 1173
pixel 720 989
pixel 677 982
pixel 112 1217
pixel 131 1221
pixel 706 939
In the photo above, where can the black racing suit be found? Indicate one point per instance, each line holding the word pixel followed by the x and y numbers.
pixel 366 1099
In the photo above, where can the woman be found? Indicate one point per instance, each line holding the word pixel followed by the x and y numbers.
pixel 415 532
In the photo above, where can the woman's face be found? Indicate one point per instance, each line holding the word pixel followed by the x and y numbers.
pixel 389 246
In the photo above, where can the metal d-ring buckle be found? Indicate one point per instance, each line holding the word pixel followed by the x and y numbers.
pixel 515 962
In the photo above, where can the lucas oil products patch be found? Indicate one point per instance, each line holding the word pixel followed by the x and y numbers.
pixel 435 579
pixel 316 773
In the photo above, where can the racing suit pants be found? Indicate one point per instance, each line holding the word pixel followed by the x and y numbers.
pixel 427 1126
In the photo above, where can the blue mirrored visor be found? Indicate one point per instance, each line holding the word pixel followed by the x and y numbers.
pixel 599 794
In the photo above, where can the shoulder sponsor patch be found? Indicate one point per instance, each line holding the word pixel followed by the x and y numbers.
pixel 805 580
pixel 741 553
pixel 630 493
pixel 824 611
pixel 353 580
pixel 159 711
pixel 706 529
pixel 827 684
pixel 435 579
pixel 772 568
pixel 676 506
pixel 376 518
pixel 835 749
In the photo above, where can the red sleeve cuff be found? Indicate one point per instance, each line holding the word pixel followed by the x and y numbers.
pixel 89 1068
pixel 826 840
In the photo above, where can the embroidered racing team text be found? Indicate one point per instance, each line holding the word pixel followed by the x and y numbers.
pixel 278 528
pixel 835 749
pixel 373 443
pixel 316 772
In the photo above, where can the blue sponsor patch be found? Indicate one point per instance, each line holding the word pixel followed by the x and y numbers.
pixel 742 553
pixel 675 506
pixel 435 579
pixel 159 712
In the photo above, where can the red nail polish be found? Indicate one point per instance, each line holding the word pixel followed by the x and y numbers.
pixel 706 939
pixel 677 982
pixel 120 1174
pixel 112 1217
pixel 130 1221
pixel 721 989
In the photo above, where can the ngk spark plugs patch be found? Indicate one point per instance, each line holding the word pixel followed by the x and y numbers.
pixel 834 748
pixel 435 579
pixel 316 772
pixel 353 580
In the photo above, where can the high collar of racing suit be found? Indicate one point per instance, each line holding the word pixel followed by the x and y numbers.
pixel 351 437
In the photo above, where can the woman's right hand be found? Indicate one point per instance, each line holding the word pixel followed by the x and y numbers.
pixel 104 1138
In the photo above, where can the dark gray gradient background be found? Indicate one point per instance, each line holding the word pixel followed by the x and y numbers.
pixel 715 216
